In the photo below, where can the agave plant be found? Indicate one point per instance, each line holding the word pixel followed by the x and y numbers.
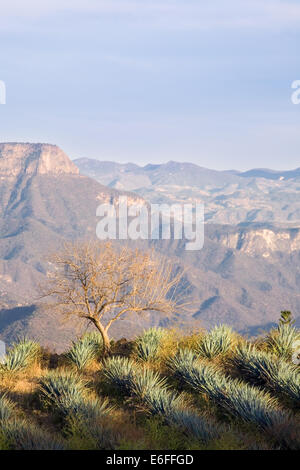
pixel 216 342
pixel 95 434
pixel 201 377
pixel 281 341
pixel 145 381
pixel 22 435
pixel 86 408
pixel 61 387
pixel 182 362
pixel 7 408
pixel 83 351
pixel 264 369
pixel 21 355
pixel 194 425
pixel 237 398
pixel 119 371
pixel 253 405
pixel 163 401
pixel 147 345
pixel 159 399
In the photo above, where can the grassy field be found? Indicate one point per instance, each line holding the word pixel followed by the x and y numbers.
pixel 163 391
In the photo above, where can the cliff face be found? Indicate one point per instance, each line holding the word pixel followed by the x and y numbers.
pixel 262 242
pixel 34 159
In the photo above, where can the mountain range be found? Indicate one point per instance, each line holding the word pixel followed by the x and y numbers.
pixel 230 197
pixel 246 273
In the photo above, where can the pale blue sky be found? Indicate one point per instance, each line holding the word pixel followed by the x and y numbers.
pixel 154 80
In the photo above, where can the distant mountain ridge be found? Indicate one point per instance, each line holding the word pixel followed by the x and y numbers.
pixel 271 174
pixel 108 167
pixel 230 197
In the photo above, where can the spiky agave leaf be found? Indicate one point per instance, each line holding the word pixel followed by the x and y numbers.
pixel 152 389
pixel 200 376
pixel 252 405
pixel 87 348
pixel 153 392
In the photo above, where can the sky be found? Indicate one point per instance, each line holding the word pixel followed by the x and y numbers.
pixel 149 81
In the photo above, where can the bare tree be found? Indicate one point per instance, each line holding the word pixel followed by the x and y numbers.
pixel 102 282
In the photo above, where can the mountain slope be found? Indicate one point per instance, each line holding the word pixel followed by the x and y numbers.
pixel 44 202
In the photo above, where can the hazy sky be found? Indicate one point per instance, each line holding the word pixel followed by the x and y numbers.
pixel 154 80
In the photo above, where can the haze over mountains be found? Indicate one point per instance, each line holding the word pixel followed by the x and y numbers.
pixel 230 197
pixel 246 273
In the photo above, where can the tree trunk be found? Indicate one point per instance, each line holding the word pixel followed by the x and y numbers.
pixel 105 337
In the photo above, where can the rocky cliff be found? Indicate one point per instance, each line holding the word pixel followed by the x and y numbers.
pixel 32 159
pixel 260 242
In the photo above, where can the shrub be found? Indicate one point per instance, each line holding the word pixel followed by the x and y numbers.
pixel 147 345
pixel 20 356
pixel 216 342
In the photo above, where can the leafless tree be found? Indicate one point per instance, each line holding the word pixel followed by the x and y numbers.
pixel 102 282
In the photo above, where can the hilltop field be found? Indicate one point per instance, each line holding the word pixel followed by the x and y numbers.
pixel 165 391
